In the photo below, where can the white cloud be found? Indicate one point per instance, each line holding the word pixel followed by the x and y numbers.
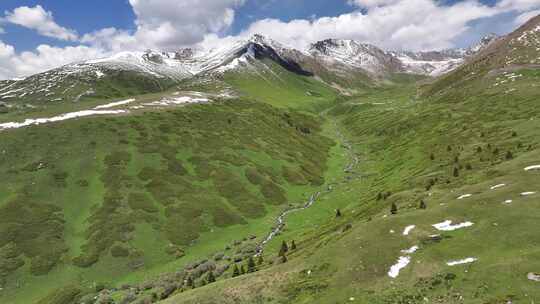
pixel 393 24
pixel 45 57
pixel 112 39
pixel 518 5
pixel 372 3
pixel 168 24
pixel 521 19
pixel 36 18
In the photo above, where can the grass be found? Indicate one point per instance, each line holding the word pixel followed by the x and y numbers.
pixel 110 195
pixel 282 88
pixel 409 148
pixel 153 198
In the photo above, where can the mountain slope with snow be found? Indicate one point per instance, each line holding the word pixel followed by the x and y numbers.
pixel 340 63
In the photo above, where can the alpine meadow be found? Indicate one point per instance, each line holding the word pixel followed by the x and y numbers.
pixel 201 159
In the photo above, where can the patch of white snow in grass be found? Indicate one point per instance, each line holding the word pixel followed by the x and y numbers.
pixel 177 101
pixel 529 168
pixel 402 262
pixel 396 268
pixel 460 262
pixel 99 74
pixel 508 201
pixel 533 276
pixel 114 104
pixel 447 225
pixel 527 193
pixel 408 229
pixel 464 196
pixel 413 249
pixel 497 186
pixel 39 121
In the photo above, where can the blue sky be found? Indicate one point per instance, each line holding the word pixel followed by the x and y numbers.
pixel 88 16
pixel 39 34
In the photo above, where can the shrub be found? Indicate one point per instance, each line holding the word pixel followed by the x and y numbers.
pixel 118 251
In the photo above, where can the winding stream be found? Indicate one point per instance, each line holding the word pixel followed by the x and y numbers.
pixel 280 221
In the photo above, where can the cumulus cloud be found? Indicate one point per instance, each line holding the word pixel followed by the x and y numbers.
pixel 521 19
pixel 371 3
pixel 392 24
pixel 45 57
pixel 518 5
pixel 168 24
pixel 36 18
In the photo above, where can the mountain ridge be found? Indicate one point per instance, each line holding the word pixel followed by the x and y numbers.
pixel 155 70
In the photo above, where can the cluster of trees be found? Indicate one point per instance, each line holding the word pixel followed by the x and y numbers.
pixel 250 266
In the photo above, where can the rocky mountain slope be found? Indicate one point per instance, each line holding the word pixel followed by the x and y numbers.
pixel 128 73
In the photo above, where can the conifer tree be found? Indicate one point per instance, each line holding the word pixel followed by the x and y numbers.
pixel 242 270
pixel 393 208
pixel 338 213
pixel 509 155
pixel 293 245
pixel 284 248
pixel 211 278
pixel 236 271
pixel 423 204
pixel 251 265
pixel 456 172
pixel 189 282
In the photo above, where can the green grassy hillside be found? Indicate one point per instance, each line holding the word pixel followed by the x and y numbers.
pixel 94 200
pixel 411 150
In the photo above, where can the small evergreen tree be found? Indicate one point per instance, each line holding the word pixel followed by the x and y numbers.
pixel 236 271
pixel 479 149
pixel 293 245
pixel 379 196
pixel 449 148
pixel 284 259
pixel 393 208
pixel 338 213
pixel 260 260
pixel 456 172
pixel 514 134
pixel 432 156
pixel 189 282
pixel 509 155
pixel 211 278
pixel 423 204
pixel 284 248
pixel 496 151
pixel 456 159
pixel 242 270
pixel 468 166
pixel 251 265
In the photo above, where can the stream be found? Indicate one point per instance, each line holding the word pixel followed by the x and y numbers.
pixel 280 221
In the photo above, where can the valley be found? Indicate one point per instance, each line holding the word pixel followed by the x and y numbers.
pixel 256 173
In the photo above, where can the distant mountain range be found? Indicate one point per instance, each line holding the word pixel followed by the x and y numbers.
pixel 334 61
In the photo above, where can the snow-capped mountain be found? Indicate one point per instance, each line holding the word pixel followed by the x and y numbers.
pixel 151 71
pixel 354 54
pixel 436 63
